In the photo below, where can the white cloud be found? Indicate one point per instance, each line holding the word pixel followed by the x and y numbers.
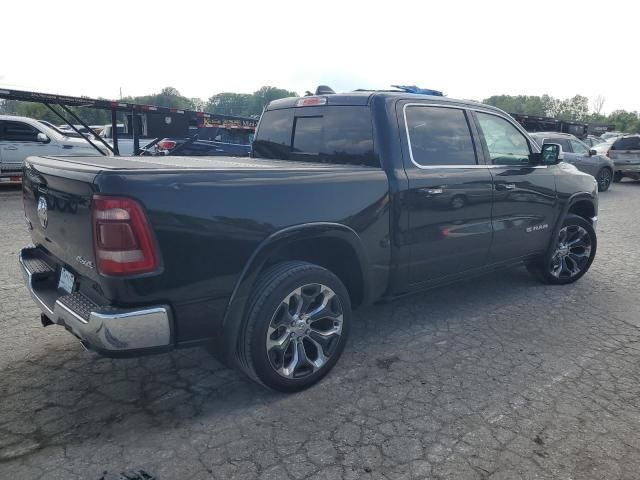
pixel 468 49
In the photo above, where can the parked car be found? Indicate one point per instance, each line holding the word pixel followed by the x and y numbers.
pixel 624 151
pixel 262 259
pixel 592 141
pixel 21 137
pixel 195 147
pixel 609 135
pixel 577 153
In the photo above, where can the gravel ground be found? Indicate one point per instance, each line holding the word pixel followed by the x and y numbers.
pixel 495 378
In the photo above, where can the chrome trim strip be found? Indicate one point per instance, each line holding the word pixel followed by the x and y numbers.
pixel 406 127
pixel 463 109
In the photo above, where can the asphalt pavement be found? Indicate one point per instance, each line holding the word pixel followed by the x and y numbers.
pixel 498 377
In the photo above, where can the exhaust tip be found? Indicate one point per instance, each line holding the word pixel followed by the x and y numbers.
pixel 46 321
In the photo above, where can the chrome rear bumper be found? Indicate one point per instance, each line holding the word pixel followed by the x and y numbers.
pixel 105 329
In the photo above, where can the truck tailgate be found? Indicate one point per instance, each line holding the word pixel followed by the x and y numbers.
pixel 57 201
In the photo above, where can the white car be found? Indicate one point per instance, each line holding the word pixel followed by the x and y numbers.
pixel 21 137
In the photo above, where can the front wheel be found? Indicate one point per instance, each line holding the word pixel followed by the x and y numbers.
pixel 604 179
pixel 570 255
pixel 296 326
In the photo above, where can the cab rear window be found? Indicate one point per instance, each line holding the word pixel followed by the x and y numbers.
pixel 338 135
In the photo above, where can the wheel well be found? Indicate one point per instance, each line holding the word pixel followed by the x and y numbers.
pixel 584 209
pixel 336 255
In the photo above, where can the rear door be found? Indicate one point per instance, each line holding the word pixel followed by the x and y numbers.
pixel 450 192
pixel 524 195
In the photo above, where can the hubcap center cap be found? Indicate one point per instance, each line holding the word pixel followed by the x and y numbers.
pixel 299 327
pixel 563 250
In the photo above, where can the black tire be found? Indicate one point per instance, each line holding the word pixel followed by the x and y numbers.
pixel 563 263
pixel 604 178
pixel 617 177
pixel 270 304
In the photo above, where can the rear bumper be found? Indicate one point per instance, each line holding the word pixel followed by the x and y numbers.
pixel 105 329
pixel 10 176
pixel 627 167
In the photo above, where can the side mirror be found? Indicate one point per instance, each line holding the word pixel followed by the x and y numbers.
pixel 592 152
pixel 42 138
pixel 551 154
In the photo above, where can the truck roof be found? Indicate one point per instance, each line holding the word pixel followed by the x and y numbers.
pixel 364 97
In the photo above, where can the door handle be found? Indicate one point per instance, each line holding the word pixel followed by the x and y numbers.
pixel 11 148
pixel 505 186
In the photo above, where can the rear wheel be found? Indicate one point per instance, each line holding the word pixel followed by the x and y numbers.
pixel 617 177
pixel 296 326
pixel 604 179
pixel 570 255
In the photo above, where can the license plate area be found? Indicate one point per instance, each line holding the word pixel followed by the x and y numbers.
pixel 67 280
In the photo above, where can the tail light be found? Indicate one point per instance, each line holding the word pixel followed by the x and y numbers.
pixel 122 237
pixel 166 144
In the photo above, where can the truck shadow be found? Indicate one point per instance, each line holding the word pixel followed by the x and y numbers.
pixel 64 395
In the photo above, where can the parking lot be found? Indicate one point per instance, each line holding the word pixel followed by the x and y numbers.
pixel 495 378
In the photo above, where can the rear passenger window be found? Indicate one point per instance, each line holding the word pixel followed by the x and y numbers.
pixel 339 135
pixel 506 145
pixel 439 136
pixel 19 132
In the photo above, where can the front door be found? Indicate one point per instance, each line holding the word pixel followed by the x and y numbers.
pixel 524 202
pixel 450 193
pixel 583 160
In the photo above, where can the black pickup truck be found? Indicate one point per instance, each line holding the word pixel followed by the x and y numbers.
pixel 347 199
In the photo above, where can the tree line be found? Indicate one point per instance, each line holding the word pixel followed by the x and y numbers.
pixel 575 108
pixel 226 103
pixel 251 105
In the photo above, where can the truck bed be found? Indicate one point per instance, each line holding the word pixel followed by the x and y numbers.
pixel 177 163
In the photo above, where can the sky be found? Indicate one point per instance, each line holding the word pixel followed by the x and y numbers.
pixel 468 49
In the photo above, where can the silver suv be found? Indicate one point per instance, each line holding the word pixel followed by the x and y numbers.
pixel 578 153
pixel 625 153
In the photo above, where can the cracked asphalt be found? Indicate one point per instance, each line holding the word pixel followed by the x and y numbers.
pixel 495 378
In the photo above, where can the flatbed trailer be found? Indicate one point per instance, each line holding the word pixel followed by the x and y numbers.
pixel 165 121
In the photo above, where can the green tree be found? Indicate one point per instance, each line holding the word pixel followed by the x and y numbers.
pixel 38 111
pixel 245 104
pixel 532 105
pixel 267 94
pixel 575 108
pixel 625 121
pixel 168 97
pixel 229 103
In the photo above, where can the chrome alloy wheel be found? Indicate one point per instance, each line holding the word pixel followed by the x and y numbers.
pixel 604 179
pixel 572 253
pixel 304 331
